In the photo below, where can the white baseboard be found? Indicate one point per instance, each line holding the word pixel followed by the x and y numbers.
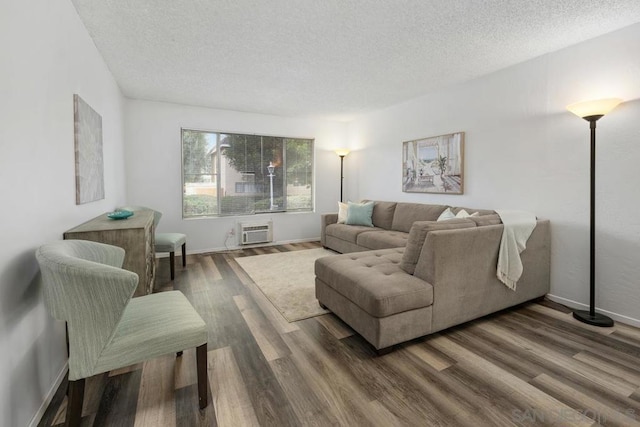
pixel 578 305
pixel 49 397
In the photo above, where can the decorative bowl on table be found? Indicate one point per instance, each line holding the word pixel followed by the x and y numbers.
pixel 120 214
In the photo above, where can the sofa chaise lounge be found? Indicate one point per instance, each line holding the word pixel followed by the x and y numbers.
pixel 410 275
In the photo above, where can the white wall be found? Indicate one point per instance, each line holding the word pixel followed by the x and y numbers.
pixel 47 56
pixel 523 150
pixel 154 155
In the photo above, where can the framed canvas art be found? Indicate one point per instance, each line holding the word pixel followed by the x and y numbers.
pixel 434 164
pixel 88 150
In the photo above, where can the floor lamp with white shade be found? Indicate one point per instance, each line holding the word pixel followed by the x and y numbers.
pixel 592 111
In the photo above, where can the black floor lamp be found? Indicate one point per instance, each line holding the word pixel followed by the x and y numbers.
pixel 341 152
pixel 591 111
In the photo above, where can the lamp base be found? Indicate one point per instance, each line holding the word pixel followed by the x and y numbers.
pixel 597 320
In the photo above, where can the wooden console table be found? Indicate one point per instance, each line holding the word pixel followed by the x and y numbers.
pixel 135 235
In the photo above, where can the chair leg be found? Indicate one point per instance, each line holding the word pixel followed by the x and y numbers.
pixel 74 405
pixel 66 330
pixel 201 361
pixel 172 262
pixel 184 254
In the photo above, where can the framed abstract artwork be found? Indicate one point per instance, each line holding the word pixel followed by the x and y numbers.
pixel 88 151
pixel 434 164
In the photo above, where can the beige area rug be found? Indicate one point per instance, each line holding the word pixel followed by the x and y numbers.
pixel 287 279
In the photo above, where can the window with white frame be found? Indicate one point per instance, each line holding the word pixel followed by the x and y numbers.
pixel 236 174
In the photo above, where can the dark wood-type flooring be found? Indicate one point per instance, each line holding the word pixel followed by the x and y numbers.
pixel 532 365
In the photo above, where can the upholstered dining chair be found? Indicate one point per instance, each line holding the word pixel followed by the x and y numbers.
pixel 165 242
pixel 84 285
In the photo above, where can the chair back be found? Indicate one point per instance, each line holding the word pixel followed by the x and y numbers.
pixel 84 284
pixel 156 215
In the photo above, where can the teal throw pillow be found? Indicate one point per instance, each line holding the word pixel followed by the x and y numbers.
pixel 360 214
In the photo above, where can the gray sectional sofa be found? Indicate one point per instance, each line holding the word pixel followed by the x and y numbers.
pixel 411 275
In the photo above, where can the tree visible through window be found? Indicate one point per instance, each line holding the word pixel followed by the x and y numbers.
pixel 235 174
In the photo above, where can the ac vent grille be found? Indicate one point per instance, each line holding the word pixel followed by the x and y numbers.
pixel 251 233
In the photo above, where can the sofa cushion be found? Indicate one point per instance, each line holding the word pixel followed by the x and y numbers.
pixel 383 214
pixel 493 219
pixel 418 234
pixel 374 281
pixel 382 239
pixel 359 214
pixel 346 232
pixel 408 213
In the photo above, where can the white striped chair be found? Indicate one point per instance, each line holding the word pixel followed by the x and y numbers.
pixel 84 285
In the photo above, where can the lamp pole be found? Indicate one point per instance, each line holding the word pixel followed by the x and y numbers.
pixel 592 111
pixel 592 225
pixel 271 168
pixel 342 153
pixel 341 175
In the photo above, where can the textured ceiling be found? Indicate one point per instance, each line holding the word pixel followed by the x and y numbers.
pixel 328 58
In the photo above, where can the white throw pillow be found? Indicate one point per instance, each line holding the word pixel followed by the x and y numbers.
pixel 447 214
pixel 464 214
pixel 343 210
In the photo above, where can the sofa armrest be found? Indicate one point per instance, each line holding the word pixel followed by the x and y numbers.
pixel 326 219
pixel 461 266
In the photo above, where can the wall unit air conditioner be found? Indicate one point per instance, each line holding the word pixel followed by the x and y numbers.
pixel 256 232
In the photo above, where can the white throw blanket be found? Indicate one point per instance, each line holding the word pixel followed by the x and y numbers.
pixel 518 226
